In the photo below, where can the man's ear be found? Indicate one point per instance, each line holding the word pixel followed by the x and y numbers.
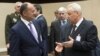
pixel 38 11
pixel 24 13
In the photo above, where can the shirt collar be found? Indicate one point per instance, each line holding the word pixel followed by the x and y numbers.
pixel 38 16
pixel 79 22
pixel 25 21
pixel 64 20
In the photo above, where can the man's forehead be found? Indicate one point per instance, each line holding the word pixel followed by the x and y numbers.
pixel 31 8
pixel 18 4
pixel 69 11
pixel 30 5
pixel 61 12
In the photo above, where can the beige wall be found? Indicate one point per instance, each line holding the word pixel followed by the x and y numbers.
pixel 90 8
pixel 5 9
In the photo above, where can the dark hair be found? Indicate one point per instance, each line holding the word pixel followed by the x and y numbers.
pixel 38 8
pixel 23 8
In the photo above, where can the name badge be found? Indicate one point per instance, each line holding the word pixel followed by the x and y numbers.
pixel 14 19
pixel 78 37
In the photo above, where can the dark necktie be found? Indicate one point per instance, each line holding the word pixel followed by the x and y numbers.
pixel 73 30
pixel 63 26
pixel 63 22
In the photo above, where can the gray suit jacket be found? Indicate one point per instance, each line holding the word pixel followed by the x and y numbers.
pixel 56 33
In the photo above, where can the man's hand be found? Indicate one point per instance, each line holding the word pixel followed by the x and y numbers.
pixel 68 44
pixel 52 53
pixel 59 47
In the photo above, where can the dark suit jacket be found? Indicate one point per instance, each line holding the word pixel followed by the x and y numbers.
pixel 43 26
pixel 23 43
pixel 55 33
pixel 11 20
pixel 88 40
pixel 96 51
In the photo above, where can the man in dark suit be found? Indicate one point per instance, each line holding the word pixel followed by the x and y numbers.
pixel 83 37
pixel 59 30
pixel 11 20
pixel 25 36
pixel 40 19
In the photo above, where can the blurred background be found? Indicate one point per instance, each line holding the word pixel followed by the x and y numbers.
pixel 90 9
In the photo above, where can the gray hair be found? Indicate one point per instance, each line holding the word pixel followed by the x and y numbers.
pixel 62 9
pixel 74 7
pixel 18 3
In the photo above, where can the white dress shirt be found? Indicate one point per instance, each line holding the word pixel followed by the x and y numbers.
pixel 38 16
pixel 78 23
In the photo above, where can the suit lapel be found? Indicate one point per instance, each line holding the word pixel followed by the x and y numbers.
pixel 67 30
pixel 40 44
pixel 37 28
pixel 81 27
pixel 27 32
pixel 58 26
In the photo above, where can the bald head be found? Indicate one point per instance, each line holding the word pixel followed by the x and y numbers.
pixel 25 6
pixel 27 10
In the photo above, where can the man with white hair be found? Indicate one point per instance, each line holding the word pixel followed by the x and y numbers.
pixel 11 20
pixel 83 35
pixel 59 30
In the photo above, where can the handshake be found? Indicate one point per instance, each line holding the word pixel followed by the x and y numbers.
pixel 67 44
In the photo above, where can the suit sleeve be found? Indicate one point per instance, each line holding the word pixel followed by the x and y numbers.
pixel 45 28
pixel 90 42
pixel 14 44
pixel 7 28
pixel 45 33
